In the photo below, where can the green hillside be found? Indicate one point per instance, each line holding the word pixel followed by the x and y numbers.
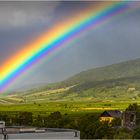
pixel 114 82
pixel 115 71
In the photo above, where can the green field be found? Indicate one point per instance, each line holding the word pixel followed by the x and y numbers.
pixel 111 87
pixel 68 107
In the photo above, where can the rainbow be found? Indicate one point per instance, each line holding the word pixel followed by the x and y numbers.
pixel 54 38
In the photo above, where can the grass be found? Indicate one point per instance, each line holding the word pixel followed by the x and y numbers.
pixel 79 107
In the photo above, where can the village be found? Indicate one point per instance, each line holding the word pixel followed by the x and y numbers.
pixel 127 119
pixel 115 119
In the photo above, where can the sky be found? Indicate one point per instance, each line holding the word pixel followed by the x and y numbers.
pixel 20 22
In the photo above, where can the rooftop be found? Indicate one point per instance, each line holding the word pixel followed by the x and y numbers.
pixel 17 132
pixel 111 113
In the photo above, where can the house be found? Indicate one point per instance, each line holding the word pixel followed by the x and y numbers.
pixel 110 115
pixel 2 124
pixel 129 119
pixel 131 89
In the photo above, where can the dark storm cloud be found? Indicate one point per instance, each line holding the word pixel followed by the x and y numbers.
pixel 23 13
pixel 112 43
pixel 22 21
pixel 116 41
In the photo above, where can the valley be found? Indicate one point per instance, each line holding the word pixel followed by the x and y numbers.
pixel 110 87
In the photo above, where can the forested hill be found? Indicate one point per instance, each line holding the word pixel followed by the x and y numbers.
pixel 114 82
pixel 115 71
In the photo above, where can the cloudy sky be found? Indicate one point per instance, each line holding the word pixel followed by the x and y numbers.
pixel 116 41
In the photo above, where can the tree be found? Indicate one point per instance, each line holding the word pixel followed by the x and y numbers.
pixel 101 131
pixel 25 118
pixel 136 134
pixel 38 121
pixel 87 125
pixel 89 132
pixel 55 115
pixel 133 107
pixel 53 120
pixel 123 134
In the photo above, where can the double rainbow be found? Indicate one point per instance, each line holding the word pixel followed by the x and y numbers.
pixel 54 38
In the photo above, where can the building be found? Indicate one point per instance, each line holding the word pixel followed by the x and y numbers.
pixel 8 133
pixel 2 124
pixel 129 119
pixel 110 115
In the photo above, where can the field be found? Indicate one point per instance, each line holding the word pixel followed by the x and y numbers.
pixel 110 87
pixel 81 115
pixel 79 107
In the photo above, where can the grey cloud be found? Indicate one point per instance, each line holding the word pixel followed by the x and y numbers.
pixel 116 41
pixel 19 14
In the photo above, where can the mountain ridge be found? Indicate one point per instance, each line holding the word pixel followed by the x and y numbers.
pixel 119 81
pixel 114 71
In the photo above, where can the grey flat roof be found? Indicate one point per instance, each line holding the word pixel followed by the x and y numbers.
pixel 18 129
